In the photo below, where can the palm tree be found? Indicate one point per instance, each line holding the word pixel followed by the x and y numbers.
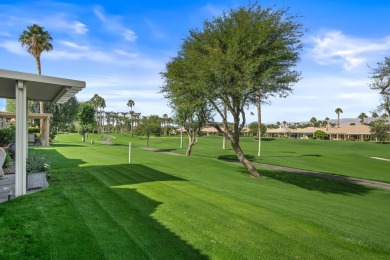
pixel 338 111
pixel 99 104
pixel 327 122
pixel 375 114
pixel 37 40
pixel 313 120
pixel 362 116
pixel 284 124
pixel 130 104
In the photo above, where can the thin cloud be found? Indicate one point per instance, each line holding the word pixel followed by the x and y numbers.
pixel 79 27
pixel 333 47
pixel 13 47
pixel 74 45
pixel 113 24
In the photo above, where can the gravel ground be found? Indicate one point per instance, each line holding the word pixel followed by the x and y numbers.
pixel 10 169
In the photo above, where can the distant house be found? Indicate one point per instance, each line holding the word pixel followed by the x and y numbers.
pixel 356 132
pixel 246 131
pixel 302 133
pixel 209 130
pixel 213 131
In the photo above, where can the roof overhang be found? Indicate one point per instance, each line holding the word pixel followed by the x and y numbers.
pixel 11 115
pixel 39 88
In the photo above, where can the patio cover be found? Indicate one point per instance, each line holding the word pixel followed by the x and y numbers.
pixel 25 86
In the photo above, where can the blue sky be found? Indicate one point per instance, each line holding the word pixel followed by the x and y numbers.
pixel 119 48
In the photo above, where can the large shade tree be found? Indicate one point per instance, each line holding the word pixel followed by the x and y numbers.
pixel 380 80
pixel 37 40
pixel 231 58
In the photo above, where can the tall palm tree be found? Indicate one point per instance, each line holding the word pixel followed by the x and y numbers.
pixel 362 116
pixel 338 111
pixel 327 122
pixel 130 104
pixel 37 41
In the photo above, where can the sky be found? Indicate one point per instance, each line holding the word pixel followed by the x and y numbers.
pixel 119 48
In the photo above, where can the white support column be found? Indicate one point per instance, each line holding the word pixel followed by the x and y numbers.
pixel 21 138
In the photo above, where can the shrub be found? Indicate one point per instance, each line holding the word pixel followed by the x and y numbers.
pixel 7 136
pixel 36 162
pixel 320 134
pixel 351 138
pixel 33 129
pixel 53 135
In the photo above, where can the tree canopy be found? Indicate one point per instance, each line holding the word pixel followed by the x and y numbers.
pixel 85 118
pixel 380 80
pixel 149 125
pixel 230 59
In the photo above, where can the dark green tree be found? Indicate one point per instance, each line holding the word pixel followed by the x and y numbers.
pixel 85 119
pixel 381 129
pixel 380 80
pixel 63 114
pixel 319 134
pixel 231 58
pixel 254 128
pixel 149 125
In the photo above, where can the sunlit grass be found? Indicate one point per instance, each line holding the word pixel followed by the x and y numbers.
pixel 176 207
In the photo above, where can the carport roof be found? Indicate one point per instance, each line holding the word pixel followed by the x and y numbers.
pixel 39 88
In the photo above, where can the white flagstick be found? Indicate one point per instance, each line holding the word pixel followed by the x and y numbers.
pixel 129 152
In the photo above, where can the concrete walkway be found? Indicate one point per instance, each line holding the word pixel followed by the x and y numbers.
pixel 7 186
pixel 107 140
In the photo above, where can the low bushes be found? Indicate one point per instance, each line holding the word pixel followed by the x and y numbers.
pixel 7 136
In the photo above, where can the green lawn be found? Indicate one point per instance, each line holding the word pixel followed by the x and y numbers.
pixel 336 157
pixel 176 207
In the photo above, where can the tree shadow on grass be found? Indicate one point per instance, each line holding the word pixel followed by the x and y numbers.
pixel 315 183
pixel 66 145
pixel 233 157
pixel 110 193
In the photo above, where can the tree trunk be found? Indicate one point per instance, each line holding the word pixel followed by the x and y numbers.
pixel 181 138
pixel 241 157
pixel 225 130
pixel 259 122
pixel 147 141
pixel 41 108
pixel 191 142
pixel 83 138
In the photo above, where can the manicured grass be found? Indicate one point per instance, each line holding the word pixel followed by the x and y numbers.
pixel 335 157
pixel 176 207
